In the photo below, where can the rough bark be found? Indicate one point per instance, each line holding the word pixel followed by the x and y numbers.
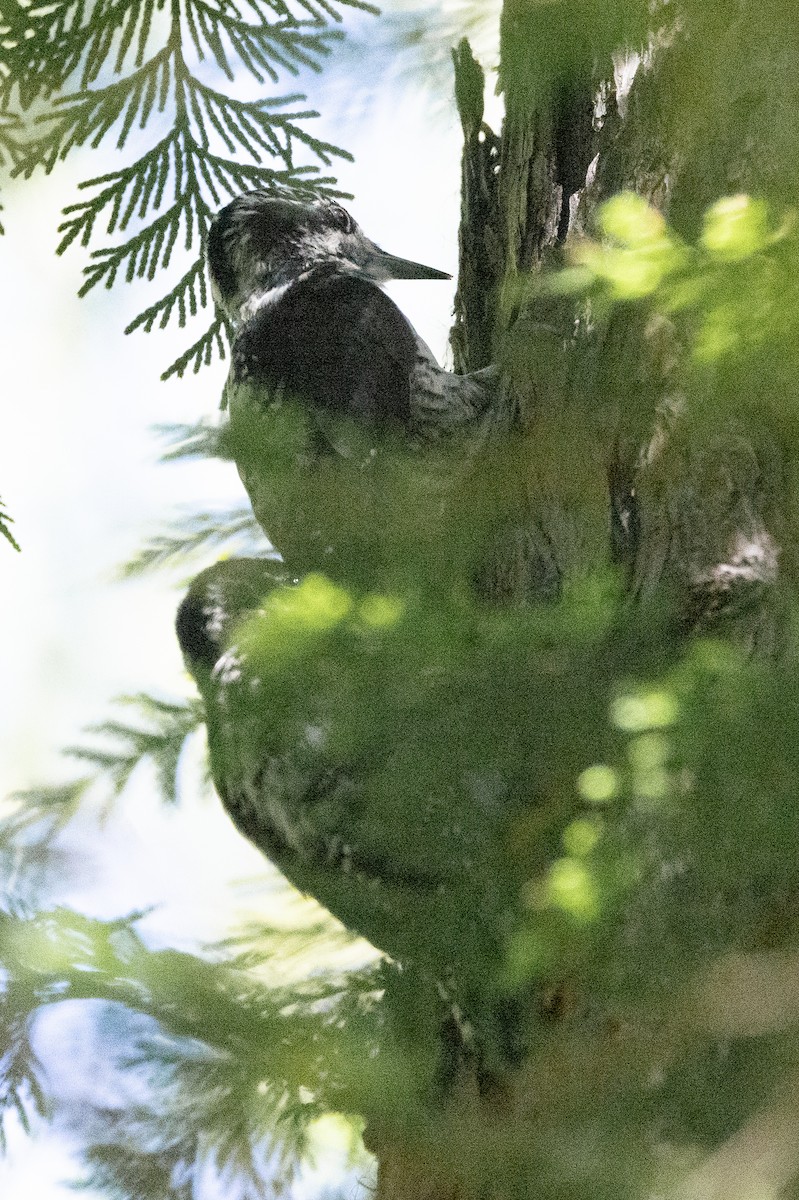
pixel 707 493
pixel 687 507
pixel 515 214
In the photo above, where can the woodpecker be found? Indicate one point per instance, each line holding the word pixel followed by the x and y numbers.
pixel 311 814
pixel 299 281
pixel 422 886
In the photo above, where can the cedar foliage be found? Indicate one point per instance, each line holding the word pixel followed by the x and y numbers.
pixel 611 727
pixel 77 74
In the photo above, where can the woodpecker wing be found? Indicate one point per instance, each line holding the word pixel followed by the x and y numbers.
pixel 335 344
pixel 343 352
pixel 332 341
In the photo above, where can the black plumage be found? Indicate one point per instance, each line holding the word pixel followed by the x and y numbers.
pixel 324 368
pixel 336 342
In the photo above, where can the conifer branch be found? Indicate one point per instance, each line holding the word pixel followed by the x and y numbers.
pixel 237 1068
pixel 215 145
pixel 202 534
pixel 21 1090
pixel 199 440
pixel 151 248
pixel 188 295
pixel 158 733
pixel 201 352
pixel 10 130
pixel 5 519
pixel 139 192
pixel 45 809
pixel 287 44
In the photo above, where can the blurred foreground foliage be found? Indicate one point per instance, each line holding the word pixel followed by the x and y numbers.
pixel 588 810
pixel 234 1070
pixel 575 807
pixel 731 293
pixel 569 813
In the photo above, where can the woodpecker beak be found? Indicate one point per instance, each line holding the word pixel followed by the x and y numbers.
pixel 379 266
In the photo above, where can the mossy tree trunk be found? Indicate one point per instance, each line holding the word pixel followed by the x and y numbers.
pixel 626 457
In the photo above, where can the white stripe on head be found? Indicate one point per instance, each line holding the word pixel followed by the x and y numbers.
pixel 264 298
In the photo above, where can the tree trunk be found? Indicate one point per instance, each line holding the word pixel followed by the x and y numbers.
pixel 624 470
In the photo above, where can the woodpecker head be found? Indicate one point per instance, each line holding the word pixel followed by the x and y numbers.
pixel 218 599
pixel 260 243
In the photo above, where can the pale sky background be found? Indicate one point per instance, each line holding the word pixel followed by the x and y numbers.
pixel 79 474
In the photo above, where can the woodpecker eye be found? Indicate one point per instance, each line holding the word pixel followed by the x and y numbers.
pixel 341 218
